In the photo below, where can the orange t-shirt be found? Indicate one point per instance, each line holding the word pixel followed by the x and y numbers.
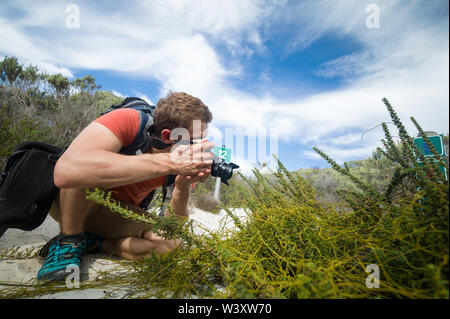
pixel 124 123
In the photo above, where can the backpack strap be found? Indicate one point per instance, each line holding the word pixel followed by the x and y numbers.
pixel 141 142
pixel 169 182
pixel 147 200
pixel 134 103
pixel 146 113
pixel 167 193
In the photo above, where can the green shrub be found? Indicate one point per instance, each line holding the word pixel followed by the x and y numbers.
pixel 207 203
pixel 295 245
pixel 230 195
pixel 17 130
pixel 46 108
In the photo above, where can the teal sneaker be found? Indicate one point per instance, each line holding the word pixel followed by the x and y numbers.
pixel 92 245
pixel 62 252
pixel 43 252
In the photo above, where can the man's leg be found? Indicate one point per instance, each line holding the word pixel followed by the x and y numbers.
pixel 123 237
pixel 70 208
pixel 134 248
pixel 74 209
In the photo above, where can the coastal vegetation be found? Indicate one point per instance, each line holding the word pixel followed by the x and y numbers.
pixel 307 234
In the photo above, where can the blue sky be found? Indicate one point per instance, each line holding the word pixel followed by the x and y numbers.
pixel 311 70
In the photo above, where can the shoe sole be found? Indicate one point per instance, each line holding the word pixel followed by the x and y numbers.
pixel 55 276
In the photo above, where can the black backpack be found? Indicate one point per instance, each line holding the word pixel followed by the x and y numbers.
pixel 27 188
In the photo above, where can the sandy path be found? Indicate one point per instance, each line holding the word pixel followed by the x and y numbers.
pixel 25 270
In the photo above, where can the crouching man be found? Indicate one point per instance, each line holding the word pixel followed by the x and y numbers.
pixel 96 158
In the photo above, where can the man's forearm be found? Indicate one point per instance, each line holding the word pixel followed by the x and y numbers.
pixel 179 201
pixel 105 169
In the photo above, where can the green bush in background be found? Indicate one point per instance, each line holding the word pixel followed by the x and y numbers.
pixel 47 108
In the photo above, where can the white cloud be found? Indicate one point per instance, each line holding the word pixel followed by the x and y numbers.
pixel 198 47
pixel 116 93
pixel 14 42
pixel 346 139
pixel 215 135
pixel 406 60
pixel 50 68
pixel 339 155
pixel 145 98
pixel 346 66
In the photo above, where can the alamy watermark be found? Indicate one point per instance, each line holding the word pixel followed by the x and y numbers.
pixel 373 280
pixel 373 19
pixel 250 144
pixel 72 16
pixel 73 278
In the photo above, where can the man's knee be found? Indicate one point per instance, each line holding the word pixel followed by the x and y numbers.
pixel 78 194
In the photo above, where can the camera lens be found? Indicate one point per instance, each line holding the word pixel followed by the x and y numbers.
pixel 223 170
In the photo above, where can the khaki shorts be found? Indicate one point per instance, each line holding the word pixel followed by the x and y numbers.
pixel 105 223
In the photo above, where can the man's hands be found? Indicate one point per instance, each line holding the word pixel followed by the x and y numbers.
pixel 192 163
pixel 192 160
pixel 185 181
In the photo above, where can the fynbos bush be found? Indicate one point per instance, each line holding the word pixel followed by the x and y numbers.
pixel 207 202
pixel 295 245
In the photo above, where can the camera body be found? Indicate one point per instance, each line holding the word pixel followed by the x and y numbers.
pixel 219 168
pixel 223 170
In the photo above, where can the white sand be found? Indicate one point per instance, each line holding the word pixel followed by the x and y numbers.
pixel 22 271
pixel 214 221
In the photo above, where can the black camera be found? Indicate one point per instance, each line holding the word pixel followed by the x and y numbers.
pixel 219 168
pixel 223 170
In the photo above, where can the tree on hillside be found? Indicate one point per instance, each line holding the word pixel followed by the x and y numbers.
pixel 10 70
pixel 30 76
pixel 60 84
pixel 86 84
pixel 48 108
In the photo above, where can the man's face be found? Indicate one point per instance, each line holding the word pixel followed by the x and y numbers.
pixel 200 133
pixel 195 133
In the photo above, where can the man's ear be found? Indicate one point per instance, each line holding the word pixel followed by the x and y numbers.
pixel 165 136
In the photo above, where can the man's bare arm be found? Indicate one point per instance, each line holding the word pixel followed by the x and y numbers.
pixel 181 192
pixel 92 161
pixel 179 201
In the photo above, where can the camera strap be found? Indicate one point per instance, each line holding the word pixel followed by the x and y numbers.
pixel 167 193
